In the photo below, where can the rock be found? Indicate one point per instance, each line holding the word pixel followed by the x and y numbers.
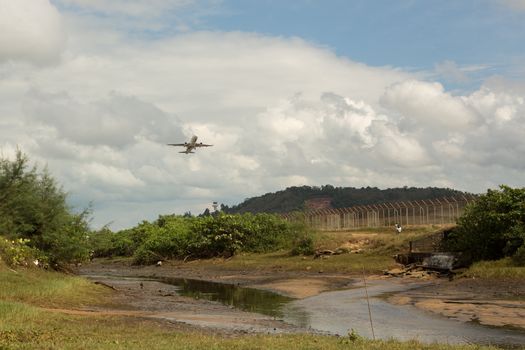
pixel 324 252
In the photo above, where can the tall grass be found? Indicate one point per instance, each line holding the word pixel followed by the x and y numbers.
pixel 497 269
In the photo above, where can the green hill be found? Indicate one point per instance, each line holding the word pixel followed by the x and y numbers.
pixel 294 198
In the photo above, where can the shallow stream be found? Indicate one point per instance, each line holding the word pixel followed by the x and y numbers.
pixel 341 311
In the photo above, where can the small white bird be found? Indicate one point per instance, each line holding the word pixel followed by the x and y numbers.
pixel 399 228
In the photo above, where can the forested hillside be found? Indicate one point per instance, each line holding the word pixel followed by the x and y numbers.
pixel 294 198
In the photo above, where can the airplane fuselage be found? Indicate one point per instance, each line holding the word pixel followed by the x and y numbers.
pixel 191 145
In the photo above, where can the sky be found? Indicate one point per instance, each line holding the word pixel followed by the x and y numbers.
pixel 307 92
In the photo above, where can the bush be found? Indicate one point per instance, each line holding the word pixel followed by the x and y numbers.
pixel 200 237
pixel 18 253
pixel 304 246
pixel 519 257
pixel 168 238
pixel 221 235
pixel 492 227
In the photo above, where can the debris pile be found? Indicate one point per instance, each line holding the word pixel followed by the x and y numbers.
pixel 416 271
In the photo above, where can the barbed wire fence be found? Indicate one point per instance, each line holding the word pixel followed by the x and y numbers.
pixel 437 211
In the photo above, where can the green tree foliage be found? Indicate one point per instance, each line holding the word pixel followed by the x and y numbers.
pixel 33 207
pixel 293 198
pixel 183 237
pixel 492 227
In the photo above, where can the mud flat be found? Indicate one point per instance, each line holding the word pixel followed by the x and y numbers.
pixel 460 311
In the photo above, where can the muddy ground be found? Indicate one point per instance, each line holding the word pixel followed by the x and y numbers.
pixel 487 302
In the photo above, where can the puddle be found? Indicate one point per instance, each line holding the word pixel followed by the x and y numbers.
pixel 246 299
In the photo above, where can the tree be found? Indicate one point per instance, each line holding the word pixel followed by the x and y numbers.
pixel 33 206
pixel 492 227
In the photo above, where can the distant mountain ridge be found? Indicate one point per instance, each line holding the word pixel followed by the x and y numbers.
pixel 300 198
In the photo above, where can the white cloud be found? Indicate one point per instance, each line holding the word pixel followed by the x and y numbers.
pixel 30 30
pixel 279 112
pixel 427 104
pixel 106 174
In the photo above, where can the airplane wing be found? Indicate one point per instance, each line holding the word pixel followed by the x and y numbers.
pixel 202 145
pixel 176 144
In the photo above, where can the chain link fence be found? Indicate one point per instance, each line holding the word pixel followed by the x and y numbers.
pixel 437 211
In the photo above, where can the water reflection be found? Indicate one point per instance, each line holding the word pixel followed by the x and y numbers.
pixel 247 299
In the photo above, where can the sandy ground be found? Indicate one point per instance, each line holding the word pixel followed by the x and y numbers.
pixel 486 302
pixel 491 303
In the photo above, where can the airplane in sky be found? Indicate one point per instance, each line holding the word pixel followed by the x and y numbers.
pixel 190 146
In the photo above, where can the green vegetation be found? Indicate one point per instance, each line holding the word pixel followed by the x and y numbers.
pixel 293 198
pixel 492 227
pixel 377 247
pixel 46 288
pixel 33 208
pixel 18 253
pixel 503 269
pixel 183 237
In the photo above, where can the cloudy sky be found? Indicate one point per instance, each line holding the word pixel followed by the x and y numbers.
pixel 306 92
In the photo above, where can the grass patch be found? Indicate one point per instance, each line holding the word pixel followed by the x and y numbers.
pixel 282 261
pixel 344 263
pixel 499 269
pixel 48 288
pixel 55 331
pixel 382 240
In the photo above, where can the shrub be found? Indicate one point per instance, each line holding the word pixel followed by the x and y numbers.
pixel 492 227
pixel 168 238
pixel 519 257
pixel 18 253
pixel 304 246
pixel 220 235
pixel 172 236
